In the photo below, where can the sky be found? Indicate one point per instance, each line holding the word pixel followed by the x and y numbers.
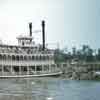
pixel 68 22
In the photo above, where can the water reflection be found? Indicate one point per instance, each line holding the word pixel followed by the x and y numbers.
pixel 48 89
pixel 25 89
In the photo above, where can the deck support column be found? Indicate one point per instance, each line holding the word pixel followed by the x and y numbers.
pixel 27 70
pixel 42 68
pixel 56 67
pixel 19 70
pixel 49 68
pixel 2 70
pixel 53 67
pixel 35 68
pixel 11 69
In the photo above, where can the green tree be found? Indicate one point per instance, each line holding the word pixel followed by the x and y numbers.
pixel 98 55
pixel 74 52
pixel 89 56
pixel 60 56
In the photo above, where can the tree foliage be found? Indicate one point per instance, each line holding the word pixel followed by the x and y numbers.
pixel 86 54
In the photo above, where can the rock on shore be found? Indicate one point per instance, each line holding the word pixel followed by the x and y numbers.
pixel 78 72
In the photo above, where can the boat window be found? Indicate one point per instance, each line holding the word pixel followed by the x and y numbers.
pixel 21 57
pixel 40 57
pixel 44 58
pixel 45 67
pixel 32 57
pixel 23 43
pixel 13 57
pixel 9 57
pixel 4 57
pixel 36 57
pixel 39 68
pixel 17 58
pixel 32 67
pixel 16 69
pixel 0 67
pixel 25 57
pixel 0 57
pixel 6 68
pixel 23 68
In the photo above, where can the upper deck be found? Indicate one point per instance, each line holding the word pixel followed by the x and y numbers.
pixel 25 55
pixel 24 50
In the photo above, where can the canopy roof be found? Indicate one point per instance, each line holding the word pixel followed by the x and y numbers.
pixel 24 37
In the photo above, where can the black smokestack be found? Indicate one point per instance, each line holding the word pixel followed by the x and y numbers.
pixel 30 28
pixel 43 34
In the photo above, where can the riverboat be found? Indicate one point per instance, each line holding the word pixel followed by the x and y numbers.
pixel 27 59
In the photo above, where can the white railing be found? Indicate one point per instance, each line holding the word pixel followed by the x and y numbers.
pixel 25 63
pixel 26 54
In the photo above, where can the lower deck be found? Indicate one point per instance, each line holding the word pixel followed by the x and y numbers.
pixel 29 71
pixel 34 75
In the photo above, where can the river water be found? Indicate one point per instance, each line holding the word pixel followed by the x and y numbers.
pixel 48 89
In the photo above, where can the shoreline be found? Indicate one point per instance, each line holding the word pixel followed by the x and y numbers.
pixel 80 72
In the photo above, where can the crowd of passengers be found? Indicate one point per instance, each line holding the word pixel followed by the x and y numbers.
pixel 23 50
pixel 27 58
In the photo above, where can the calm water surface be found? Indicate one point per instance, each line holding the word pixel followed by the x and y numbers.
pixel 48 89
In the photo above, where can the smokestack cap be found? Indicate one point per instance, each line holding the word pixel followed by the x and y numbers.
pixel 43 22
pixel 30 25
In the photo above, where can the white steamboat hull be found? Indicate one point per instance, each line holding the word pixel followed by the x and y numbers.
pixel 29 76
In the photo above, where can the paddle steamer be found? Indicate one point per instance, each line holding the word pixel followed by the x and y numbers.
pixel 27 59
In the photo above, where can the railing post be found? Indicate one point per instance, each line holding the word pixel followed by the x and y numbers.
pixel 11 69
pixel 49 68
